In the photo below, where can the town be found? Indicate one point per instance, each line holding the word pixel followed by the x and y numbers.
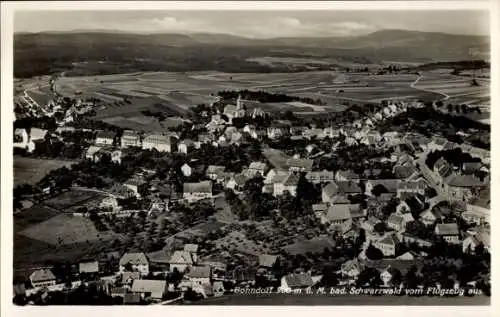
pixel 384 195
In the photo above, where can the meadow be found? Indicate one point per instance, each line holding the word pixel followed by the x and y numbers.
pixel 31 170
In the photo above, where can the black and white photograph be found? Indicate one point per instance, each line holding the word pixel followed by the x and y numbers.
pixel 285 157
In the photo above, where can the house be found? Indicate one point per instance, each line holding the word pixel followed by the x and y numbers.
pixel 235 111
pixel 349 188
pixel 36 136
pixel 275 132
pixel 476 215
pixel 387 244
pixel 411 187
pixel 200 275
pixel 267 260
pixel 351 269
pixel 299 165
pixel 154 289
pixel 185 146
pixel 186 170
pixel 42 278
pixel 236 182
pixel 481 236
pixel 340 216
pixel 318 177
pixel 369 224
pixel 283 183
pixel 346 175
pixel 181 260
pixel 159 142
pixel 193 249
pixel 116 156
pixel 109 202
pixel 197 191
pixel 463 187
pixel 396 222
pixel 256 168
pixel 21 138
pixel 131 299
pixel 88 267
pixel 437 144
pixel 296 281
pixel 329 192
pixel 91 153
pixel 215 171
pixel 105 138
pixel 470 243
pixel 448 231
pixel 408 238
pixel 130 138
pixel 405 171
pixel 136 261
pixel 430 216
pixel 137 185
pixel 390 185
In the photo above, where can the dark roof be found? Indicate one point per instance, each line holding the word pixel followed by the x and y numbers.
pixel 390 184
pixel 201 187
pixel 131 298
pixel 106 134
pixel 199 272
pixel 330 189
pixel 301 163
pixel 134 259
pixel 446 229
pixel 349 187
pixel 404 171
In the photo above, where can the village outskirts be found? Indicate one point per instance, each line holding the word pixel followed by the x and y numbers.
pixel 236 199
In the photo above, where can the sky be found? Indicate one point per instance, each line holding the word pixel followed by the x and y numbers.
pixel 256 24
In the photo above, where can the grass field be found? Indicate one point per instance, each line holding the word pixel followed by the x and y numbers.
pixel 65 229
pixel 31 170
pixel 68 201
pixel 315 245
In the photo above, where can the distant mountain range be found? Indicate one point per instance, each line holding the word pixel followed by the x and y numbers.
pixel 116 46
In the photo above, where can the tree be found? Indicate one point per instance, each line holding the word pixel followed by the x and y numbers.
pixel 374 253
pixel 450 108
pixel 379 189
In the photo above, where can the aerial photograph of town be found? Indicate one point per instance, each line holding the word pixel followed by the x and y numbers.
pixel 320 157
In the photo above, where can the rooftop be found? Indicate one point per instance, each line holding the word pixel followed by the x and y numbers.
pixel 134 259
pixel 299 280
pixel 201 187
pixel 199 272
pixel 446 229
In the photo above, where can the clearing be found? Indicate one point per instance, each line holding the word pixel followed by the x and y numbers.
pixel 31 170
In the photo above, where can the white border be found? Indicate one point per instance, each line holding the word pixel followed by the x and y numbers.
pixel 7 9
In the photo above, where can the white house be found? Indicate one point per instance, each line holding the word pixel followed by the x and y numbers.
pixel 185 146
pixel 105 138
pixel 387 244
pixel 186 170
pixel 197 191
pixel 448 231
pixel 287 182
pixel 42 278
pixel 130 138
pixel 158 142
pixel 200 275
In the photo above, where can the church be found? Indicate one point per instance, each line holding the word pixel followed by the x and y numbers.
pixel 232 111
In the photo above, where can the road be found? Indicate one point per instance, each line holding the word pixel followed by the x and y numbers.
pixel 412 85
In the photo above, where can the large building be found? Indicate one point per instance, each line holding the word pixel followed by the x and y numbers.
pixel 130 138
pixel 197 191
pixel 159 142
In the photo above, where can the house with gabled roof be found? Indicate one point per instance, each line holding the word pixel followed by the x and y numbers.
pixel 411 187
pixel 349 188
pixel 200 275
pixel 347 175
pixel 329 191
pixel 105 138
pixel 181 260
pixel 197 191
pixel 296 281
pixel 299 165
pixel 448 231
pixel 283 183
pixel 42 278
pixel 463 187
pixel 151 289
pixel 256 168
pixel 236 182
pixel 267 260
pixel 397 222
pixel 317 177
pixel 430 216
pixel 387 244
pixel 137 262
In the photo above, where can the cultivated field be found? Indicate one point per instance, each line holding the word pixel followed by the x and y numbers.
pixel 31 170
pixel 65 229
pixel 69 201
pixel 315 245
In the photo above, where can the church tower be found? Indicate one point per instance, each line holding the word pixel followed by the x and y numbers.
pixel 239 106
